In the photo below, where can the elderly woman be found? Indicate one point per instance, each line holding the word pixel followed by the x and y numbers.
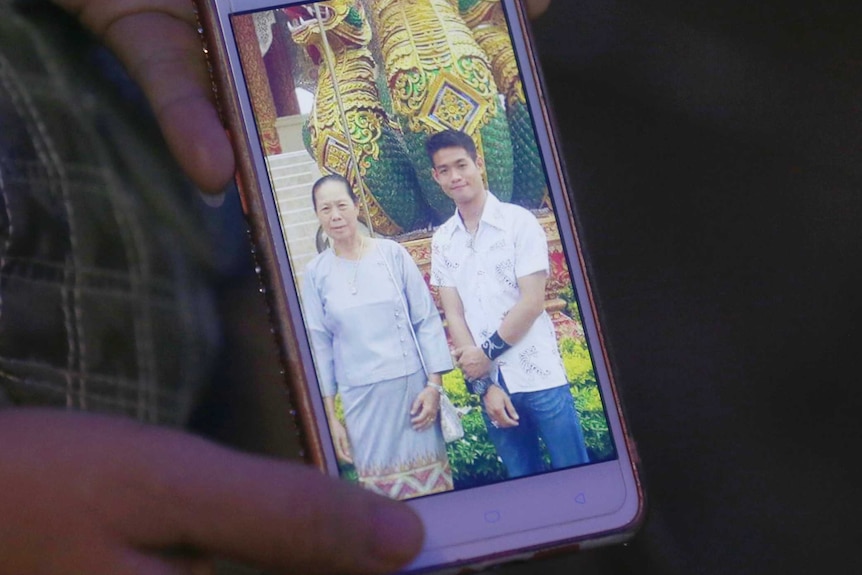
pixel 378 342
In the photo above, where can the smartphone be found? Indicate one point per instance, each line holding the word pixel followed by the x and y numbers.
pixel 418 247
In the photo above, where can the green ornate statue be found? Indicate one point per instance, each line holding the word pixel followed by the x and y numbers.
pixel 385 82
pixel 373 157
pixel 488 23
pixel 439 77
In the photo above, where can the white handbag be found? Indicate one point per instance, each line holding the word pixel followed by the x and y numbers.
pixel 450 416
pixel 450 419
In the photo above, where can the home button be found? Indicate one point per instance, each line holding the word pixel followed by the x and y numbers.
pixel 492 516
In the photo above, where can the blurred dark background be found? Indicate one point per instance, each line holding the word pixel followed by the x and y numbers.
pixel 715 156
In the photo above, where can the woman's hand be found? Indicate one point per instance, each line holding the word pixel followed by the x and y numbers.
pixel 341 441
pixel 424 410
pixel 158 42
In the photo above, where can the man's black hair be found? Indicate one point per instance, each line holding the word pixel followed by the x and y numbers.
pixel 450 139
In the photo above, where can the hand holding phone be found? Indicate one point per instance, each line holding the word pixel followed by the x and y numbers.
pixel 99 494
pixel 399 171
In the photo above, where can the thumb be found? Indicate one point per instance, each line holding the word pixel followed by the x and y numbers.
pixel 273 514
pixel 510 408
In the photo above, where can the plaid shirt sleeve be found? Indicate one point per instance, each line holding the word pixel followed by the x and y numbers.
pixel 105 301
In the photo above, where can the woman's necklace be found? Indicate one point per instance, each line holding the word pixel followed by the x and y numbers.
pixel 351 283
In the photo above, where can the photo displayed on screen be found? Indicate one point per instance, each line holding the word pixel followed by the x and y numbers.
pixel 414 202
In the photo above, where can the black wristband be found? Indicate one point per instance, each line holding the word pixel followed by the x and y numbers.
pixel 494 346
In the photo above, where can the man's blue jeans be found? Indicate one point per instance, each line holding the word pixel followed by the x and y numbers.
pixel 549 414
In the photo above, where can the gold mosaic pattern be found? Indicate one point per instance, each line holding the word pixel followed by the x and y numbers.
pixel 488 23
pixel 422 40
pixel 346 89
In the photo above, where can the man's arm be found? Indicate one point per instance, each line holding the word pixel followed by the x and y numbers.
pixel 475 366
pixel 530 306
pixel 498 405
pixel 453 309
pixel 518 321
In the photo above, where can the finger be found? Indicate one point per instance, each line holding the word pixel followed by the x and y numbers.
pixel 504 420
pixel 511 412
pixel 279 516
pixel 344 448
pixel 141 562
pixel 347 455
pixel 424 425
pixel 423 414
pixel 425 417
pixel 500 414
pixel 536 7
pixel 416 406
pixel 99 15
pixel 163 54
pixel 496 413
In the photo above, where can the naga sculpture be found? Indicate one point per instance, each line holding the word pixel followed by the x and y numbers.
pixel 370 151
pixel 384 83
pixel 439 77
pixel 488 23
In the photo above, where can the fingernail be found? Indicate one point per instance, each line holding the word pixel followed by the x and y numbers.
pixel 216 200
pixel 212 200
pixel 397 534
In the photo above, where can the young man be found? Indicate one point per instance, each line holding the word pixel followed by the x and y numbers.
pixel 490 263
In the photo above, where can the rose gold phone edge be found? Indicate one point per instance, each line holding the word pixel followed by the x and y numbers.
pixel 269 272
pixel 281 317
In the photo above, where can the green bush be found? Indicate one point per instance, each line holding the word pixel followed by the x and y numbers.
pixel 567 294
pixel 588 400
pixel 474 460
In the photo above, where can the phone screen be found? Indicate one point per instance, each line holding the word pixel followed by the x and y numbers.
pixel 392 267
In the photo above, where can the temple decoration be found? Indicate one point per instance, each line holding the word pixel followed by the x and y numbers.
pixel 280 70
pixel 348 130
pixel 488 23
pixel 439 77
pixel 258 82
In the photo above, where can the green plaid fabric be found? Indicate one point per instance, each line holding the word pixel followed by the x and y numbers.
pixel 105 271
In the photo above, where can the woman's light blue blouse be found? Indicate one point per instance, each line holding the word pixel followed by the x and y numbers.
pixel 364 337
